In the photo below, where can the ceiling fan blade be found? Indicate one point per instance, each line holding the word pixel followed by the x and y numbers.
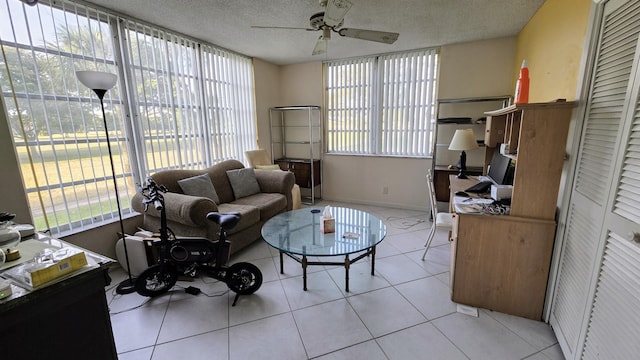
pixel 335 11
pixel 283 27
pixel 321 46
pixel 371 35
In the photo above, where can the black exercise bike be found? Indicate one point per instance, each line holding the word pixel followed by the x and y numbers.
pixel 191 256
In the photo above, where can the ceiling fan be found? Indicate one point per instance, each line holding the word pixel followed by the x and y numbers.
pixel 332 19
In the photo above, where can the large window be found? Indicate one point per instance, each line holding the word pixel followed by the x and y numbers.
pixel 178 103
pixel 382 105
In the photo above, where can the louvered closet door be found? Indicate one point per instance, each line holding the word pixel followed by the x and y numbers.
pixel 595 310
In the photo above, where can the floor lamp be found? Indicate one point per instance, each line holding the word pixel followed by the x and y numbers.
pixel 100 83
pixel 463 139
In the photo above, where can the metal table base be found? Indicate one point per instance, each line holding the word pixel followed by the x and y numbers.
pixel 347 264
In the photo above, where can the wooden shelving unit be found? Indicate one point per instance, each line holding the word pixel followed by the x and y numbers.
pixel 501 262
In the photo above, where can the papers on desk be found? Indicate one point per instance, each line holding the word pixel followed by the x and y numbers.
pixel 468 205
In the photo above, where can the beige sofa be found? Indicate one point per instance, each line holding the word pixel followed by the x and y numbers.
pixel 186 214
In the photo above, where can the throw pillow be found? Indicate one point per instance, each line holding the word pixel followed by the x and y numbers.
pixel 200 185
pixel 243 182
pixel 268 167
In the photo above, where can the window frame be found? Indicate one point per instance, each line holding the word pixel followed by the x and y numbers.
pixel 122 115
pixel 364 122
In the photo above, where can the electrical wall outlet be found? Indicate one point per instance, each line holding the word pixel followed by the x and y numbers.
pixel 385 190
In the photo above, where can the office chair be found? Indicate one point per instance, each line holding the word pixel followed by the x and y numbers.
pixel 440 220
pixel 260 159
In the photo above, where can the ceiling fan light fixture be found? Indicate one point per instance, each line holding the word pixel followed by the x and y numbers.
pixel 321 46
pixel 326 33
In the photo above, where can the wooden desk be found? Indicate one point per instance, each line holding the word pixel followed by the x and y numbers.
pixel 68 319
pixel 500 262
pixel 441 183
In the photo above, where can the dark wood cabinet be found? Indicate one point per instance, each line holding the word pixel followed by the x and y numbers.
pixel 67 319
pixel 307 176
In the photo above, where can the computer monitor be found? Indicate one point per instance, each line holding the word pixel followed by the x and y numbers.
pixel 500 169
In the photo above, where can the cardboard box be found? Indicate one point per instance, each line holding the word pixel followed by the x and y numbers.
pixel 327 226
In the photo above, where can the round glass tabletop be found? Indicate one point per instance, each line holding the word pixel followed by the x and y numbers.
pixel 298 232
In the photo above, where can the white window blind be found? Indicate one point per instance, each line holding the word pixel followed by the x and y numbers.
pixel 57 123
pixel 382 105
pixel 178 103
pixel 195 102
pixel 349 106
pixel 163 70
pixel 229 103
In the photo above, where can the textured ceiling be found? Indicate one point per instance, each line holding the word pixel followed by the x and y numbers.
pixel 421 23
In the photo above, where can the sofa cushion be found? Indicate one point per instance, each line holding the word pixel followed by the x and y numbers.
pixel 270 204
pixel 243 182
pixel 249 215
pixel 200 185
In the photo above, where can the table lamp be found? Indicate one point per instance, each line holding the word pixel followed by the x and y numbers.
pixel 463 139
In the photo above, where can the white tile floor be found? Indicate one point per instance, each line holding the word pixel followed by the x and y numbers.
pixel 403 312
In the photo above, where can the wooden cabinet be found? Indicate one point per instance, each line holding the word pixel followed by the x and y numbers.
pixel 65 319
pixel 307 175
pixel 536 136
pixel 501 262
pixel 296 145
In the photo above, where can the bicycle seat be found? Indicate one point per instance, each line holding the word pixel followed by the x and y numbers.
pixel 226 221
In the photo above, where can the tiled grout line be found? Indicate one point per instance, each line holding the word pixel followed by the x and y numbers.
pixel 326 269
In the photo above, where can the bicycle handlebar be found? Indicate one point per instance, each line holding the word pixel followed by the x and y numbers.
pixel 152 194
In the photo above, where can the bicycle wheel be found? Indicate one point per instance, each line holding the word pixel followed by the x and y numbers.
pixel 244 278
pixel 156 280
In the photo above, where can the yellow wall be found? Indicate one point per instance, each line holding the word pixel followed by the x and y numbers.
pixel 476 69
pixel 552 44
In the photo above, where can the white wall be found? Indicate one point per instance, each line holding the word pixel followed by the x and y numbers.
pixel 267 81
pixel 302 84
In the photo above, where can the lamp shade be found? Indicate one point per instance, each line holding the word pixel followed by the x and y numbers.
pixel 463 139
pixel 97 80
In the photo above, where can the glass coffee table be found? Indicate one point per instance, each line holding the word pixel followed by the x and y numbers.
pixel 297 234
